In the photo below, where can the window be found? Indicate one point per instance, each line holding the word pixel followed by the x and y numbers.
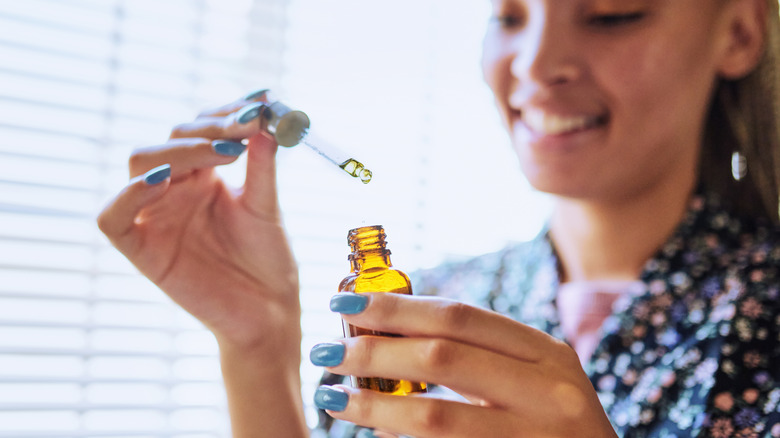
pixel 87 346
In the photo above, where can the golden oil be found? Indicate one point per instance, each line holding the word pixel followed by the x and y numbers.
pixel 357 169
pixel 372 271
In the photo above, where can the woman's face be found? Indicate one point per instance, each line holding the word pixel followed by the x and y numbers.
pixel 604 98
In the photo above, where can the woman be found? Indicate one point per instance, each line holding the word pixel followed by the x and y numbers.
pixel 628 111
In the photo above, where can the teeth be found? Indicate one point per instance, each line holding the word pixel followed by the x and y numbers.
pixel 550 124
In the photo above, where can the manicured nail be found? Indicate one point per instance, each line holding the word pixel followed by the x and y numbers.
pixel 158 174
pixel 348 303
pixel 249 112
pixel 365 433
pixel 327 355
pixel 256 94
pixel 331 399
pixel 228 148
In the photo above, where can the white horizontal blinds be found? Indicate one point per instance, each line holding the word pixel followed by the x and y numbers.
pixel 87 346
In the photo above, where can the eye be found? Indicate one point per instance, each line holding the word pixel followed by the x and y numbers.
pixel 615 20
pixel 507 22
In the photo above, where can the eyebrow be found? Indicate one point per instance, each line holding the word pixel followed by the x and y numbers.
pixel 618 4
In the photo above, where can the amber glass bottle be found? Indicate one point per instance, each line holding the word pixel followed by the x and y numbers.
pixel 373 272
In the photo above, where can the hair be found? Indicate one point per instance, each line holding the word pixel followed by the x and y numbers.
pixel 745 118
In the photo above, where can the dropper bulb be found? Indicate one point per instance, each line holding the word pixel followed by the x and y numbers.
pixel 288 126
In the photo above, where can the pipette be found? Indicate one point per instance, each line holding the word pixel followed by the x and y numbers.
pixel 292 127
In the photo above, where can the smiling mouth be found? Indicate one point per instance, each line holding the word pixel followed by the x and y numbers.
pixel 551 124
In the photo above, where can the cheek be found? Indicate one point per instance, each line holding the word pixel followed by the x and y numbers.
pixel 634 73
pixel 658 99
pixel 658 84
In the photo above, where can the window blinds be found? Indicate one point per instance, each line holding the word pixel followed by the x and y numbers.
pixel 87 346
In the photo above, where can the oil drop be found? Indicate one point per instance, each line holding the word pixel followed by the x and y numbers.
pixel 356 169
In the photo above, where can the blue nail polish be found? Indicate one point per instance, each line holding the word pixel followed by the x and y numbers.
pixel 228 148
pixel 348 303
pixel 331 399
pixel 327 355
pixel 158 174
pixel 249 112
pixel 256 94
pixel 365 433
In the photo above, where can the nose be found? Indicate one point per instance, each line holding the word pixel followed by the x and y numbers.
pixel 545 53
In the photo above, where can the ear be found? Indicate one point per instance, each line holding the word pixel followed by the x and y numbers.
pixel 745 28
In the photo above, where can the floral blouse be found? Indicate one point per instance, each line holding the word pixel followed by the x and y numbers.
pixel 697 353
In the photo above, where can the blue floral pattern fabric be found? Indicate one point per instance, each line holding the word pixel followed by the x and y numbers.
pixel 694 355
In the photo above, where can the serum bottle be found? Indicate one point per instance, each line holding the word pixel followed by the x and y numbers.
pixel 372 271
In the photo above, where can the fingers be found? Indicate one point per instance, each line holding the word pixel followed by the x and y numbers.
pixel 234 121
pixel 227 127
pixel 117 220
pixel 255 96
pixel 436 317
pixel 418 416
pixel 520 379
pixel 380 434
pixel 217 137
pixel 186 154
pixel 468 370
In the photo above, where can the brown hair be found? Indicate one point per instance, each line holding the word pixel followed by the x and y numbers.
pixel 745 118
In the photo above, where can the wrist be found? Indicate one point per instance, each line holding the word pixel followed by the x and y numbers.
pixel 283 345
pixel 264 391
pixel 260 325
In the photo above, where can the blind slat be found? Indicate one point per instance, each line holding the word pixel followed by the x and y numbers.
pixel 101 380
pixel 37 407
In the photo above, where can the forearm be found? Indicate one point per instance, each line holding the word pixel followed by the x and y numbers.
pixel 264 395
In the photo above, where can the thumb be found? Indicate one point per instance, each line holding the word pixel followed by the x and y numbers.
pixel 259 193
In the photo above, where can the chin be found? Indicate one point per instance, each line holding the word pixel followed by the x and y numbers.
pixel 561 190
pixel 554 181
pixel 568 185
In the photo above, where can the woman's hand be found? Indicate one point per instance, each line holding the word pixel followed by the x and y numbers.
pixel 221 253
pixel 518 381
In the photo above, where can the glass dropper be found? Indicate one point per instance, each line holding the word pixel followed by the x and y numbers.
pixel 336 156
pixel 292 127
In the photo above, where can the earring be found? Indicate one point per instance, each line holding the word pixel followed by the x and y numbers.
pixel 738 166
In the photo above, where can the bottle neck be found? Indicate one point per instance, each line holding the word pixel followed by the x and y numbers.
pixel 369 249
pixel 353 263
pixel 376 259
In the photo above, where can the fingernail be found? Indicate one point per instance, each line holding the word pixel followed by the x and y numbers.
pixel 228 148
pixel 331 399
pixel 327 355
pixel 158 174
pixel 348 303
pixel 256 94
pixel 249 112
pixel 365 433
